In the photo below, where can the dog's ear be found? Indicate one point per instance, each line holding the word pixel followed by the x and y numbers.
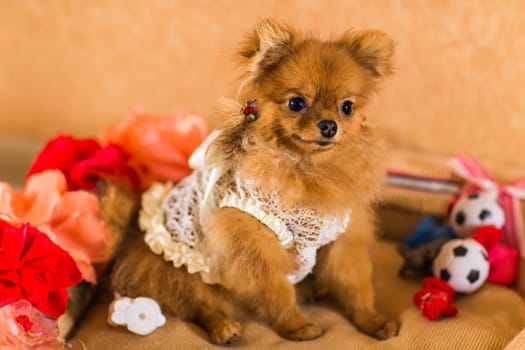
pixel 269 41
pixel 373 49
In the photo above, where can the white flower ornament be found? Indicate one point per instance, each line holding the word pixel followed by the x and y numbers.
pixel 140 315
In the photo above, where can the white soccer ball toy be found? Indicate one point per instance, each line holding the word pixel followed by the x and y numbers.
pixel 475 210
pixel 463 264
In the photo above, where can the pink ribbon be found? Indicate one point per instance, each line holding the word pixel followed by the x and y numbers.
pixel 509 197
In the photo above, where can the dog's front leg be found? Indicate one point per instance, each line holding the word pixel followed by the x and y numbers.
pixel 252 265
pixel 344 267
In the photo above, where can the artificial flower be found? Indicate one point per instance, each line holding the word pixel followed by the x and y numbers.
pixel 34 268
pixel 436 299
pixel 24 327
pixel 159 146
pixel 62 153
pixel 140 315
pixel 83 162
pixel 109 163
pixel 70 218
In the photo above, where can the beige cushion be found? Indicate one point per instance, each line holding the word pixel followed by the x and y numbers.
pixel 487 319
pixel 518 343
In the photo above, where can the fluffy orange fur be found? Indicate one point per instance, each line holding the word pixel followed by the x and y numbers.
pixel 284 151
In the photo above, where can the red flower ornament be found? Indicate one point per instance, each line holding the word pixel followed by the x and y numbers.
pixel 63 152
pixel 34 268
pixel 83 162
pixel 435 299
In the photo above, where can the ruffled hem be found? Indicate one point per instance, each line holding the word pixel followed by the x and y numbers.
pixel 157 237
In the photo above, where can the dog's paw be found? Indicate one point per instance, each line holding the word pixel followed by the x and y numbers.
pixel 307 332
pixel 226 332
pixel 388 330
pixel 376 325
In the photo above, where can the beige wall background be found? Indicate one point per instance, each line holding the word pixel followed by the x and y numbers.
pixel 75 66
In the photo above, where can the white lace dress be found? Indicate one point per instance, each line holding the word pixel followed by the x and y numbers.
pixel 174 219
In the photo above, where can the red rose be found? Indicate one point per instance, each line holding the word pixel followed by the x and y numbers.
pixel 34 268
pixel 63 153
pixel 109 162
pixel 83 162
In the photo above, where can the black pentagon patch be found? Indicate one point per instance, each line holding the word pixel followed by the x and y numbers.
pixel 473 196
pixel 459 251
pixel 460 218
pixel 444 275
pixel 473 276
pixel 485 214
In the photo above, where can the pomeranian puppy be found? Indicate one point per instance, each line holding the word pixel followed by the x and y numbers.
pixel 285 188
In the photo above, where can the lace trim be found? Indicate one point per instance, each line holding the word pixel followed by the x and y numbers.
pixel 181 208
pixel 157 237
pixel 174 224
pixel 300 229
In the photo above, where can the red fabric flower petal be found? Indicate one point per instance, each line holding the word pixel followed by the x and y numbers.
pixel 435 299
pixel 487 236
pixel 42 271
pixel 11 246
pixel 83 162
pixel 71 219
pixel 56 303
pixel 110 163
pixel 434 283
pixel 9 287
pixel 63 153
pixel 53 263
pixel 35 286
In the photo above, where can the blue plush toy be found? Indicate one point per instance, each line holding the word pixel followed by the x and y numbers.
pixel 422 246
pixel 428 230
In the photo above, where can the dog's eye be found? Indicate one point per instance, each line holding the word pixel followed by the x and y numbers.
pixel 347 107
pixel 296 104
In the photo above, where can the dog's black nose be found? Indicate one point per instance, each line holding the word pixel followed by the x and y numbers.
pixel 328 128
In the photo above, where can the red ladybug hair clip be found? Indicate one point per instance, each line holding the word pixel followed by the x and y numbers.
pixel 250 111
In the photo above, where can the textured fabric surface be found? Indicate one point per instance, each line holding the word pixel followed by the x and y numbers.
pixel 518 343
pixel 488 319
pixel 75 66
